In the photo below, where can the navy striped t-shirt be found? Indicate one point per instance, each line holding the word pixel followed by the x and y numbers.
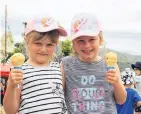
pixel 42 91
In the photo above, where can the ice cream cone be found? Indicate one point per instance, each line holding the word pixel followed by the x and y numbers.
pixel 17 60
pixel 111 60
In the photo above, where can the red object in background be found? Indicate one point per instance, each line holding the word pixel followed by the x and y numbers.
pixel 5 69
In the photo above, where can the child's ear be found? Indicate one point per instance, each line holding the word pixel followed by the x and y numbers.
pixel 24 37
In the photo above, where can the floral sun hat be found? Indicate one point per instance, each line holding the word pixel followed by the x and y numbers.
pixel 44 24
pixel 85 24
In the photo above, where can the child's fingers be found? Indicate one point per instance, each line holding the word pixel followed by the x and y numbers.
pixel 111 71
pixel 16 82
pixel 110 74
pixel 16 74
pixel 16 77
pixel 16 70
pixel 111 78
pixel 111 81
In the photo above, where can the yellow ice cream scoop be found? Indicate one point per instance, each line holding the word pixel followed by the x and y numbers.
pixel 17 59
pixel 111 60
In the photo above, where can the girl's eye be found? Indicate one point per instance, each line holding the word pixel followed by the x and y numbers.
pixel 80 41
pixel 50 45
pixel 38 43
pixel 92 40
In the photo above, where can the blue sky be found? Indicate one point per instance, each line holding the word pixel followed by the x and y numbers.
pixel 115 15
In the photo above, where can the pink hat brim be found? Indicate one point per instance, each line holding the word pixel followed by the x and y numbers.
pixel 84 33
pixel 61 31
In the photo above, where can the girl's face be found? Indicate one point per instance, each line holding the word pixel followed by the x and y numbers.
pixel 138 72
pixel 87 47
pixel 40 51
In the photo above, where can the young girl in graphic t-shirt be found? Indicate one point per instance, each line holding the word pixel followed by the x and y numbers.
pixel 89 87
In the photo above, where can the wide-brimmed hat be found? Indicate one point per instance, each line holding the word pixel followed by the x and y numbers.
pixel 136 65
pixel 44 24
pixel 85 24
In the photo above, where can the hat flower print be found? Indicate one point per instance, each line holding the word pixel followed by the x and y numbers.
pixel 44 22
pixel 79 24
pixel 127 76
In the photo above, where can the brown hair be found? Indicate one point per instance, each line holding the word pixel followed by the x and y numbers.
pixel 34 36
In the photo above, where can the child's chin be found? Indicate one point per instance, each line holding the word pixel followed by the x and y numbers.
pixel 42 61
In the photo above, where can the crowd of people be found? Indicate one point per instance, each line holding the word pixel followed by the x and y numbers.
pixel 80 84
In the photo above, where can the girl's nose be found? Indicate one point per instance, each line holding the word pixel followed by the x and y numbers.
pixel 87 44
pixel 44 48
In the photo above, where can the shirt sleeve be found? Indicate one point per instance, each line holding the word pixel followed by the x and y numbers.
pixel 138 79
pixel 137 98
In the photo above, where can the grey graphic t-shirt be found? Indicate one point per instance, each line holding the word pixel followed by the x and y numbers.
pixel 86 90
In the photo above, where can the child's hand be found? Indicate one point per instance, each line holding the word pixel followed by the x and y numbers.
pixel 15 78
pixel 112 76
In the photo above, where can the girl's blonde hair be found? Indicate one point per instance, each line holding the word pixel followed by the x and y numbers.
pixel 35 36
pixel 73 50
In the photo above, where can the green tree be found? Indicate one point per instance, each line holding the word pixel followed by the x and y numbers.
pixel 66 47
pixel 9 47
pixel 10 42
pixel 19 48
pixel 5 59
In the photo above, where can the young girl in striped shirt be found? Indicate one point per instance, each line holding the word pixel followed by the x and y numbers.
pixel 40 79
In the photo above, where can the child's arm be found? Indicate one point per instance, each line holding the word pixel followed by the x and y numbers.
pixel 12 96
pixel 138 103
pixel 138 108
pixel 113 77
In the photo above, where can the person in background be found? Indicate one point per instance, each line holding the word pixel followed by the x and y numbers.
pixel 137 68
pixel 89 87
pixel 2 89
pixel 133 100
pixel 40 80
